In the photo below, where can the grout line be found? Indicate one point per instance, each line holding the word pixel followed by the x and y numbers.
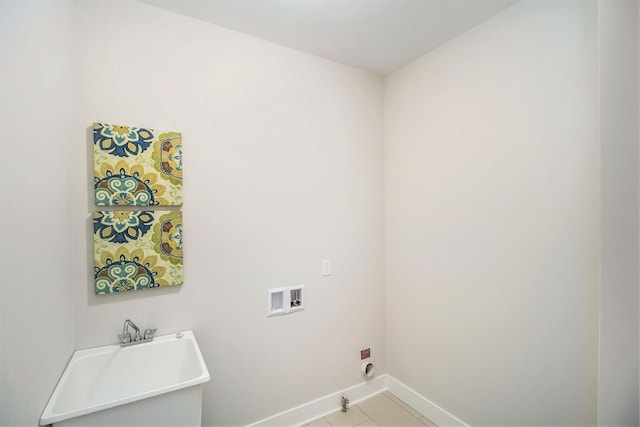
pixel 367 420
pixel 404 405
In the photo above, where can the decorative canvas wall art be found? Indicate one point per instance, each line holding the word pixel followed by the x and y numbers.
pixel 136 166
pixel 137 250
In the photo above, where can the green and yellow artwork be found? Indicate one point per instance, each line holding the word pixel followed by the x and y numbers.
pixel 136 166
pixel 137 250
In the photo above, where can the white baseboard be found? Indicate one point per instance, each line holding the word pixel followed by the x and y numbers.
pixel 324 406
pixel 310 411
pixel 423 405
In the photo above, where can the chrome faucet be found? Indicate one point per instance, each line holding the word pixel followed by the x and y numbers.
pixel 126 339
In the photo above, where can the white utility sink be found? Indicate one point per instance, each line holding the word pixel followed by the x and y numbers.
pixel 144 384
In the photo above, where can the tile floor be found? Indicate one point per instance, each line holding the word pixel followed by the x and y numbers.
pixel 383 409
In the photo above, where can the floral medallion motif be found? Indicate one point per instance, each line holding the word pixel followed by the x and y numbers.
pixel 128 271
pixel 122 226
pixel 136 166
pixel 169 158
pixel 124 185
pixel 121 141
pixel 137 250
pixel 168 235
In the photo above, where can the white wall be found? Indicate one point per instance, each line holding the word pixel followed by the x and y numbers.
pixel 492 204
pixel 283 155
pixel 283 168
pixel 618 379
pixel 36 118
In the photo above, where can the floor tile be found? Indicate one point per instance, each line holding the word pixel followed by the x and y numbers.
pixel 406 407
pixel 352 417
pixel 368 423
pixel 385 412
pixel 381 410
pixel 319 423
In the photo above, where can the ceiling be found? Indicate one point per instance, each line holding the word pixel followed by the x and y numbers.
pixel 376 35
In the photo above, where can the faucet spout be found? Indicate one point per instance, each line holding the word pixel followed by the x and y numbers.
pixel 126 335
pixel 127 339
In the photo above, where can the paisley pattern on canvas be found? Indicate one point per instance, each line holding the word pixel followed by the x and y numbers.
pixel 136 166
pixel 137 250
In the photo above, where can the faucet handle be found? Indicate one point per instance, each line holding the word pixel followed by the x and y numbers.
pixel 125 338
pixel 148 334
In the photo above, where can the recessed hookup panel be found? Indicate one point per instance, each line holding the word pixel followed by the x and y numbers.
pixel 295 298
pixel 277 303
pixel 285 300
